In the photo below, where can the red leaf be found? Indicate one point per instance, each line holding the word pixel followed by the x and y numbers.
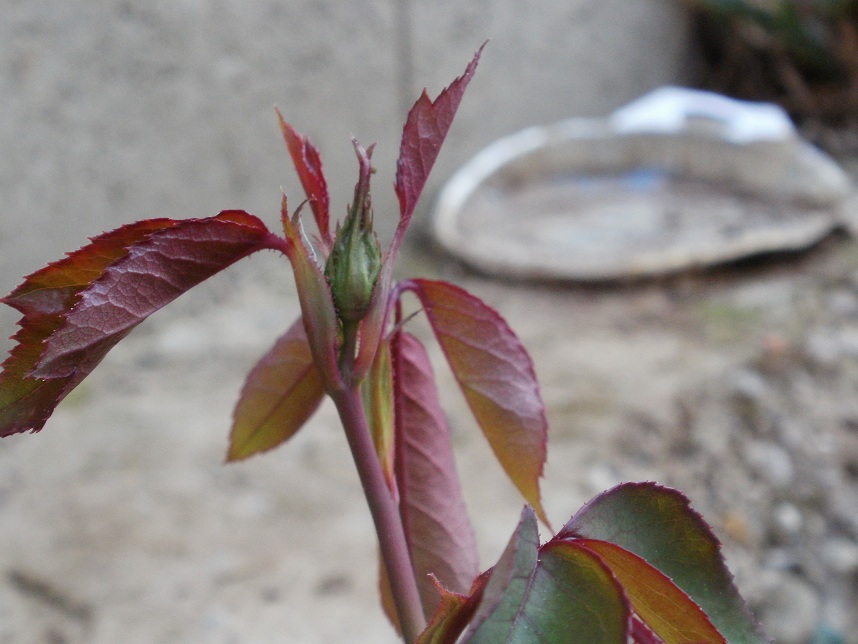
pixel 425 129
pixel 662 606
pixel 78 308
pixel 496 375
pixel 25 402
pixel 153 273
pixel 52 289
pixel 454 612
pixel 641 633
pixel 280 394
pixel 308 165
pixel 434 515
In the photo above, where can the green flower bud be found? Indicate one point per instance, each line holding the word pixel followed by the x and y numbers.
pixel 355 261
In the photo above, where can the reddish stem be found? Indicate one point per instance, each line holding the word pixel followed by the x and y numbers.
pixel 388 525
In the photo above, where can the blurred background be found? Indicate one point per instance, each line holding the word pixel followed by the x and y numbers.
pixel 114 111
pixel 119 522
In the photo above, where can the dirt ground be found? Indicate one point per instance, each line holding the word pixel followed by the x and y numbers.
pixel 119 522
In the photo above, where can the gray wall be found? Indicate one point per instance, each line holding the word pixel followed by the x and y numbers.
pixel 116 110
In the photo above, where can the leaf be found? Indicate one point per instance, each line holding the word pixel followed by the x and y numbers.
pixel 280 394
pixel 308 165
pixel 25 402
pixel 425 130
pixel 453 613
pixel 666 610
pixel 377 393
pixel 51 290
pixel 317 303
pixel 574 597
pixel 497 378
pixel 76 309
pixel 152 274
pixel 557 593
pixel 508 583
pixel 658 524
pixel 433 510
pixel 641 633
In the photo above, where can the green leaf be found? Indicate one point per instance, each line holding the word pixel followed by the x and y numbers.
pixel 317 303
pixel 506 589
pixel 658 524
pixel 580 599
pixel 280 394
pixel 377 394
pixel 657 601
pixel 496 376
pixel 558 593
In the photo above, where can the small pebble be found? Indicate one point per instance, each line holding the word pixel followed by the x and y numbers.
pixel 792 612
pixel 735 526
pixel 823 348
pixel 828 347
pixel 787 520
pixel 849 342
pixel 840 555
pixel 780 559
pixel 843 303
pixel 770 462
pixel 748 384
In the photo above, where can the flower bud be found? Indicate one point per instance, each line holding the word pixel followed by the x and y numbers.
pixel 354 263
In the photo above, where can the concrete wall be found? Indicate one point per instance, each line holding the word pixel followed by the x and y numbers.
pixel 116 110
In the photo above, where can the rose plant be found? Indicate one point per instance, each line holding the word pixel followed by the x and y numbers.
pixel 634 564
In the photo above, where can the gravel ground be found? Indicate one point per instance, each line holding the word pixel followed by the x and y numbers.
pixel 121 523
pixel 738 385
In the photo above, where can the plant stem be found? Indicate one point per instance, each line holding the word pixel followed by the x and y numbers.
pixel 385 514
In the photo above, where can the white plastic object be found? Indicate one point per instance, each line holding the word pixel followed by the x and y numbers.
pixel 672 110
